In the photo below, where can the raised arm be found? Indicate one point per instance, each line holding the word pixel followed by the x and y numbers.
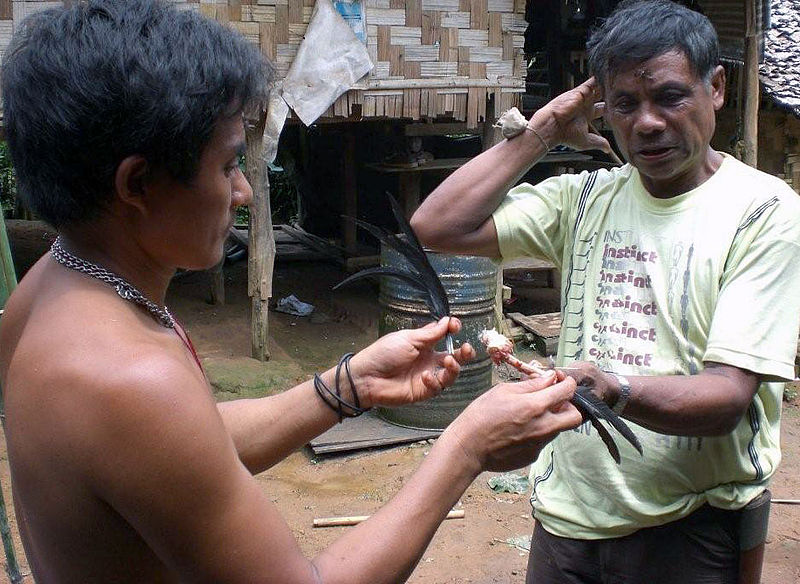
pixel 457 216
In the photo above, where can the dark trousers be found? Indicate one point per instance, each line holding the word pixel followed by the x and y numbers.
pixel 702 548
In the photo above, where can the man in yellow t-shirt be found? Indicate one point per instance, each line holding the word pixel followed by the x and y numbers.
pixel 679 304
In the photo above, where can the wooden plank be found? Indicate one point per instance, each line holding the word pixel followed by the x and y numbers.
pixel 495 30
pixel 234 10
pixel 477 70
pixel 545 328
pixel 384 42
pixel 479 15
pixel 472 107
pixel 413 12
pixel 444 46
pixel 295 12
pixel 396 59
pixel 406 35
pixel 267 41
pixel 452 42
pixel 6 10
pixel 455 19
pixel 436 69
pixel 411 69
pixel 441 5
pixel 474 38
pixel 501 6
pixel 387 16
pixel 422 53
pixel 282 24
pixel 463 61
pixel 397 4
pixel 508 47
pixel 431 24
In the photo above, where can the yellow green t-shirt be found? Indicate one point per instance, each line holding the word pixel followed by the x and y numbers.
pixel 657 287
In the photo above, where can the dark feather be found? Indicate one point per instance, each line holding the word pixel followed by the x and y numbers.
pixel 594 406
pixel 421 276
pixel 586 408
pixel 411 279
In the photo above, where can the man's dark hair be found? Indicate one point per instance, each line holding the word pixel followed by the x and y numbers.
pixel 86 86
pixel 639 30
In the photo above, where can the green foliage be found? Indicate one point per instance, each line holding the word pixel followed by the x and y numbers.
pixel 283 198
pixel 8 180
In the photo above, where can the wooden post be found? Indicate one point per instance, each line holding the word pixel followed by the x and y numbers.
pixel 218 283
pixel 489 137
pixel 261 249
pixel 751 90
pixel 8 281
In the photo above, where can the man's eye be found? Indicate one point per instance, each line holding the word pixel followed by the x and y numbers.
pixel 625 106
pixel 671 98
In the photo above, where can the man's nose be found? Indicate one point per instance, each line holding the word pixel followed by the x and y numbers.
pixel 242 191
pixel 649 120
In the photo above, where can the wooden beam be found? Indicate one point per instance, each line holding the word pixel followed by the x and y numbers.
pixel 751 88
pixel 261 248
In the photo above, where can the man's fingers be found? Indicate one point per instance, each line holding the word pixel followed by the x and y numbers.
pixel 554 393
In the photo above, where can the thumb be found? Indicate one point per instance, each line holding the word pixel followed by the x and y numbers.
pixel 597 142
pixel 432 332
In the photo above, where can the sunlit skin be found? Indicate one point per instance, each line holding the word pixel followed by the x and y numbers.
pixel 662 115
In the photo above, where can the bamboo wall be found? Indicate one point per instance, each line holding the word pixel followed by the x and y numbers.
pixel 432 57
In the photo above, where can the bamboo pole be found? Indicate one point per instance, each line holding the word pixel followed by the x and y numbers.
pixel 356 519
pixel 751 90
pixel 8 281
pixel 261 248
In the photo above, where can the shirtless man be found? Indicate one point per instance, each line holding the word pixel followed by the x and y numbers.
pixel 125 123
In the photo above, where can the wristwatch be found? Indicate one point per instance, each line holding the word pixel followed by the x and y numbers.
pixel 624 393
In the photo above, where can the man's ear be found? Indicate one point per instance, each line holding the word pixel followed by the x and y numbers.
pixel 130 181
pixel 718 87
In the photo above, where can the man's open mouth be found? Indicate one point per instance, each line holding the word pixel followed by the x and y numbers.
pixel 654 152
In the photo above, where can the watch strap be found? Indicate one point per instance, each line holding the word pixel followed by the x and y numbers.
pixel 624 393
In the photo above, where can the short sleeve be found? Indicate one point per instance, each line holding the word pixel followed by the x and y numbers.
pixel 757 317
pixel 532 219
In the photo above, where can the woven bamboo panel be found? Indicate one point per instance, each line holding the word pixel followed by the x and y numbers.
pixel 432 57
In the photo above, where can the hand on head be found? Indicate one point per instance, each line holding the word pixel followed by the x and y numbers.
pixel 572 114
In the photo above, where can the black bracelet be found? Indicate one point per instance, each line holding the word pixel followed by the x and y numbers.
pixel 333 399
pixel 356 409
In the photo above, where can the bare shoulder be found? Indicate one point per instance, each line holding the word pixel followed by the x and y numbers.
pixel 94 370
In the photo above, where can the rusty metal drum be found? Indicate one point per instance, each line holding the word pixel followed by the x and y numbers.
pixel 471 286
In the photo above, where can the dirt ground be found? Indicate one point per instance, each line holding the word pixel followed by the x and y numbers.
pixel 475 549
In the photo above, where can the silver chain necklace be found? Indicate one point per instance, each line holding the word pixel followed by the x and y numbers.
pixel 125 289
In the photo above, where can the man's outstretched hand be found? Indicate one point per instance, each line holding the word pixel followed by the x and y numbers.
pixel 404 367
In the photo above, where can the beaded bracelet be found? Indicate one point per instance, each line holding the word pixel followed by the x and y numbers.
pixel 334 400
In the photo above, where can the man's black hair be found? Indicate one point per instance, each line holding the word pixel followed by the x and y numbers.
pixel 639 30
pixel 88 85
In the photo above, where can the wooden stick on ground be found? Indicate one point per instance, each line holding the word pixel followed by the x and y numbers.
pixel 356 519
